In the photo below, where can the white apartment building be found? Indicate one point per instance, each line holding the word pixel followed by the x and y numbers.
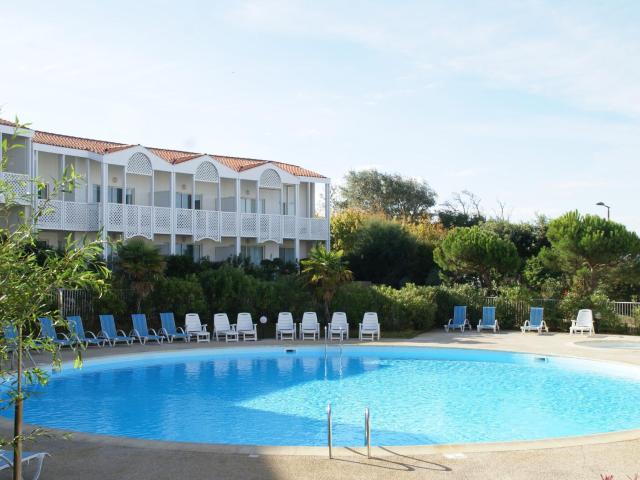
pixel 186 203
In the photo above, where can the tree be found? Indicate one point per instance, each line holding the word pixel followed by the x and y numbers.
pixel 326 271
pixel 385 252
pixel 590 249
pixel 392 195
pixel 474 251
pixel 529 238
pixel 141 265
pixel 344 227
pixel 463 210
pixel 28 286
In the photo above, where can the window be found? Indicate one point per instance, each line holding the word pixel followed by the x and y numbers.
pixel 189 250
pixel 96 194
pixel 197 203
pixel 254 253
pixel 183 200
pixel 289 200
pixel 247 205
pixel 287 254
pixel 43 192
pixel 115 195
pixel 131 196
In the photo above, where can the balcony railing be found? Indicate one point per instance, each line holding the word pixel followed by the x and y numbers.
pixel 71 216
pixel 17 183
pixel 145 221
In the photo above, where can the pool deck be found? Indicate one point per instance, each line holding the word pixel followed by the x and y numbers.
pixel 93 456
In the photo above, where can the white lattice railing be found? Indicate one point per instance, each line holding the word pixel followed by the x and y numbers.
pixel 162 219
pixel 228 224
pixel 249 224
pixel 270 228
pixel 19 184
pixel 71 216
pixel 138 221
pixel 206 225
pixel 184 221
pixel 317 229
pixel 115 217
pixel 289 226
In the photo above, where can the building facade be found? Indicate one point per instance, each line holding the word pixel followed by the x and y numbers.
pixel 184 202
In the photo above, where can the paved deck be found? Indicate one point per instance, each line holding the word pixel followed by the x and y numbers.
pixel 107 459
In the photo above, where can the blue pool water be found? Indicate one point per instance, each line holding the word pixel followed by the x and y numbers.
pixel 265 396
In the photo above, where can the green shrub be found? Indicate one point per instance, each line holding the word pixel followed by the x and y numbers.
pixel 180 296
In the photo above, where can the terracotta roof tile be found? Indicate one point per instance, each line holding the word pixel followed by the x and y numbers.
pixel 102 147
pixel 7 123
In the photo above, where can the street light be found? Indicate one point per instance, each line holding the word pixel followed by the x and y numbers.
pixel 602 204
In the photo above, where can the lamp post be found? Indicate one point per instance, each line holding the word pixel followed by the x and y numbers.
pixel 602 204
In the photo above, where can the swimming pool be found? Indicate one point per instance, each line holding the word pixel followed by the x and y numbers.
pixel 271 396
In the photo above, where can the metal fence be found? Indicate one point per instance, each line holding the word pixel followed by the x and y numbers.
pixel 626 309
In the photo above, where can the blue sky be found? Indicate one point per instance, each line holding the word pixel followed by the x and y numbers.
pixel 532 103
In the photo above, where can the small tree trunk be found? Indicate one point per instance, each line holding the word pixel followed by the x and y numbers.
pixel 326 311
pixel 18 410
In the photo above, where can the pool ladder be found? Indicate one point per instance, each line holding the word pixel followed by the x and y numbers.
pixel 367 431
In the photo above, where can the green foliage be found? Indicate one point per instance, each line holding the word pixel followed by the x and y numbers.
pixel 178 295
pixel 345 225
pixel 384 252
pixel 589 249
pixel 326 271
pixel 392 195
pixel 477 253
pixel 409 308
pixel 528 238
pixel 139 265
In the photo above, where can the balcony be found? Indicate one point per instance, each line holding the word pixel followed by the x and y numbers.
pixel 71 216
pixel 145 221
pixel 19 184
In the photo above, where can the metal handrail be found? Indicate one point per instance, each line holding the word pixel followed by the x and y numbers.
pixel 367 431
pixel 329 431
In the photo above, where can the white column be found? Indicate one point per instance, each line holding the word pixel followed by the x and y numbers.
pixel 308 199
pixel 104 190
pixel 63 162
pixel 258 197
pixel 238 229
pixel 296 233
pixel 219 188
pixel 88 181
pixel 327 213
pixel 172 203
pixel 153 204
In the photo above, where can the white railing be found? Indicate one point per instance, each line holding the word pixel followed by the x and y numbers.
pixel 19 184
pixel 162 220
pixel 207 225
pixel 184 221
pixel 248 224
pixel 289 226
pixel 626 309
pixel 228 224
pixel 270 228
pixel 138 221
pixel 72 216
pixel 142 220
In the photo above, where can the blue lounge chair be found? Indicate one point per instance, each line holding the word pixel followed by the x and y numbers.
pixel 459 319
pixel 48 332
pixel 141 331
pixel 78 333
pixel 535 322
pixel 488 320
pixel 169 329
pixel 110 333
pixel 6 461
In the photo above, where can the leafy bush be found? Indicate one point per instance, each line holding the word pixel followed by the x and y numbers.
pixel 180 296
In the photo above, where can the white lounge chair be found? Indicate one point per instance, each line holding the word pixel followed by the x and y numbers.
pixel 285 326
pixel 369 327
pixel 488 320
pixel 194 328
pixel 6 461
pixel 309 326
pixel 339 327
pixel 583 323
pixel 535 322
pixel 221 326
pixel 246 328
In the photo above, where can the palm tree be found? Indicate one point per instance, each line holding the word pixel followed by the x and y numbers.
pixel 326 270
pixel 141 265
